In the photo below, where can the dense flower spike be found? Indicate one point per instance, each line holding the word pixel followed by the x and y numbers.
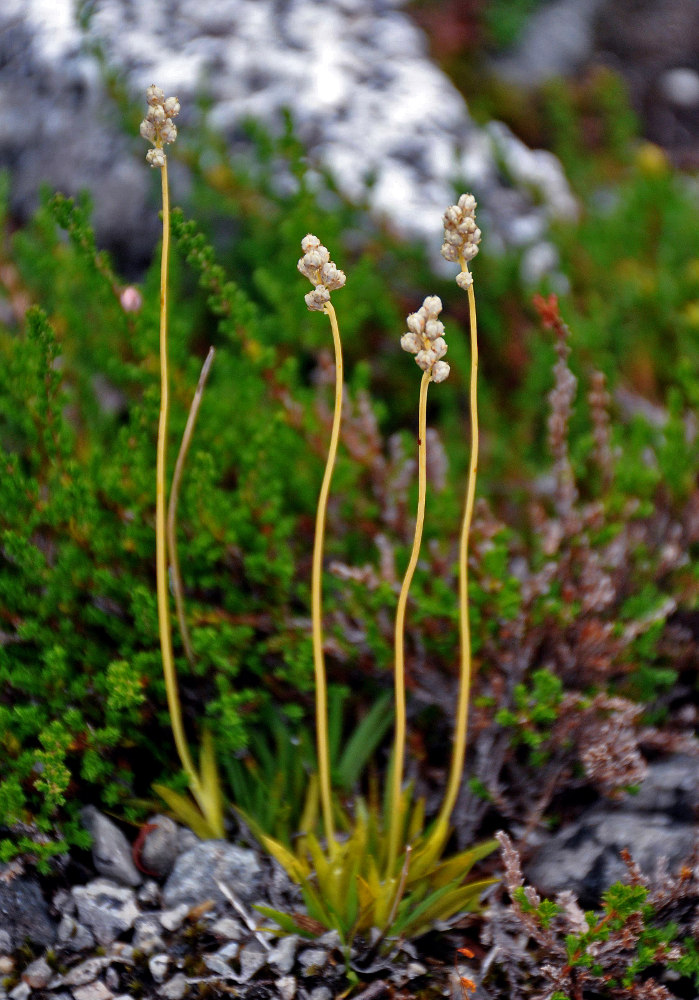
pixel 461 237
pixel 425 339
pixel 320 271
pixel 157 127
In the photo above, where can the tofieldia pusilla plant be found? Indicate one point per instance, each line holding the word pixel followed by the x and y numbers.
pixel 386 872
pixel 160 130
pixel 374 872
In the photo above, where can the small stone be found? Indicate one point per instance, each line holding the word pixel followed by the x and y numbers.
pixel 283 955
pixel 63 902
pixel 286 986
pixel 186 840
pixel 107 909
pixel 172 919
pixel 175 988
pixel 198 871
pixel 111 978
pixel 37 974
pixel 73 935
pixel 111 851
pixel 25 914
pixel 218 965
pixel 93 991
pixel 313 961
pixel 160 846
pixel 252 958
pixel 228 928
pixel 146 937
pixel 5 943
pixel 149 893
pixel 21 992
pixel 7 965
pixel 84 973
pixel 414 970
pixel 321 993
pixel 158 967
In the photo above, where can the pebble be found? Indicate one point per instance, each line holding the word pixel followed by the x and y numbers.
pixel 74 935
pixel 172 919
pixel 38 974
pixel 321 993
pixel 108 909
pixel 93 991
pixel 252 958
pixel 198 871
pixel 158 965
pixel 283 955
pixel 111 851
pixel 286 985
pixel 160 845
pixel 175 988
pixel 313 960
pixel 228 928
pixel 147 937
pixel 21 992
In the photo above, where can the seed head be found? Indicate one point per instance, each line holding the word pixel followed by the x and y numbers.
pixel 157 127
pixel 320 271
pixel 425 339
pixel 461 236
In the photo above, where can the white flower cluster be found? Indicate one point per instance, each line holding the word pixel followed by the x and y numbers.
pixel 425 339
pixel 461 236
pixel 157 127
pixel 320 271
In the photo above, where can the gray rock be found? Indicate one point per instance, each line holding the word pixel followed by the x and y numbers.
pixel 111 851
pixel 228 928
pixel 146 935
pixel 283 956
pixel 286 986
pixel 158 966
pixel 172 919
pixel 73 936
pixel 5 942
pixel 160 846
pixel 557 40
pixel 93 991
pixel 252 958
pixel 21 992
pixel 671 786
pixel 197 872
pixel 106 909
pixel 585 857
pixel 312 960
pixel 149 894
pixel 24 914
pixel 37 974
pixel 321 993
pixel 175 988
pixel 365 98
pixel 85 972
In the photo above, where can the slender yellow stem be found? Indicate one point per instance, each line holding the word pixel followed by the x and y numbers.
pixel 177 588
pixel 316 598
pixel 164 627
pixel 399 637
pixel 461 723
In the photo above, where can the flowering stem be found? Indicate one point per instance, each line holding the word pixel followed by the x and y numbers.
pixel 177 588
pixel 396 817
pixel 164 625
pixel 461 724
pixel 316 610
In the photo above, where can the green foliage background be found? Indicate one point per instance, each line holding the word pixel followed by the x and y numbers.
pixel 82 702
